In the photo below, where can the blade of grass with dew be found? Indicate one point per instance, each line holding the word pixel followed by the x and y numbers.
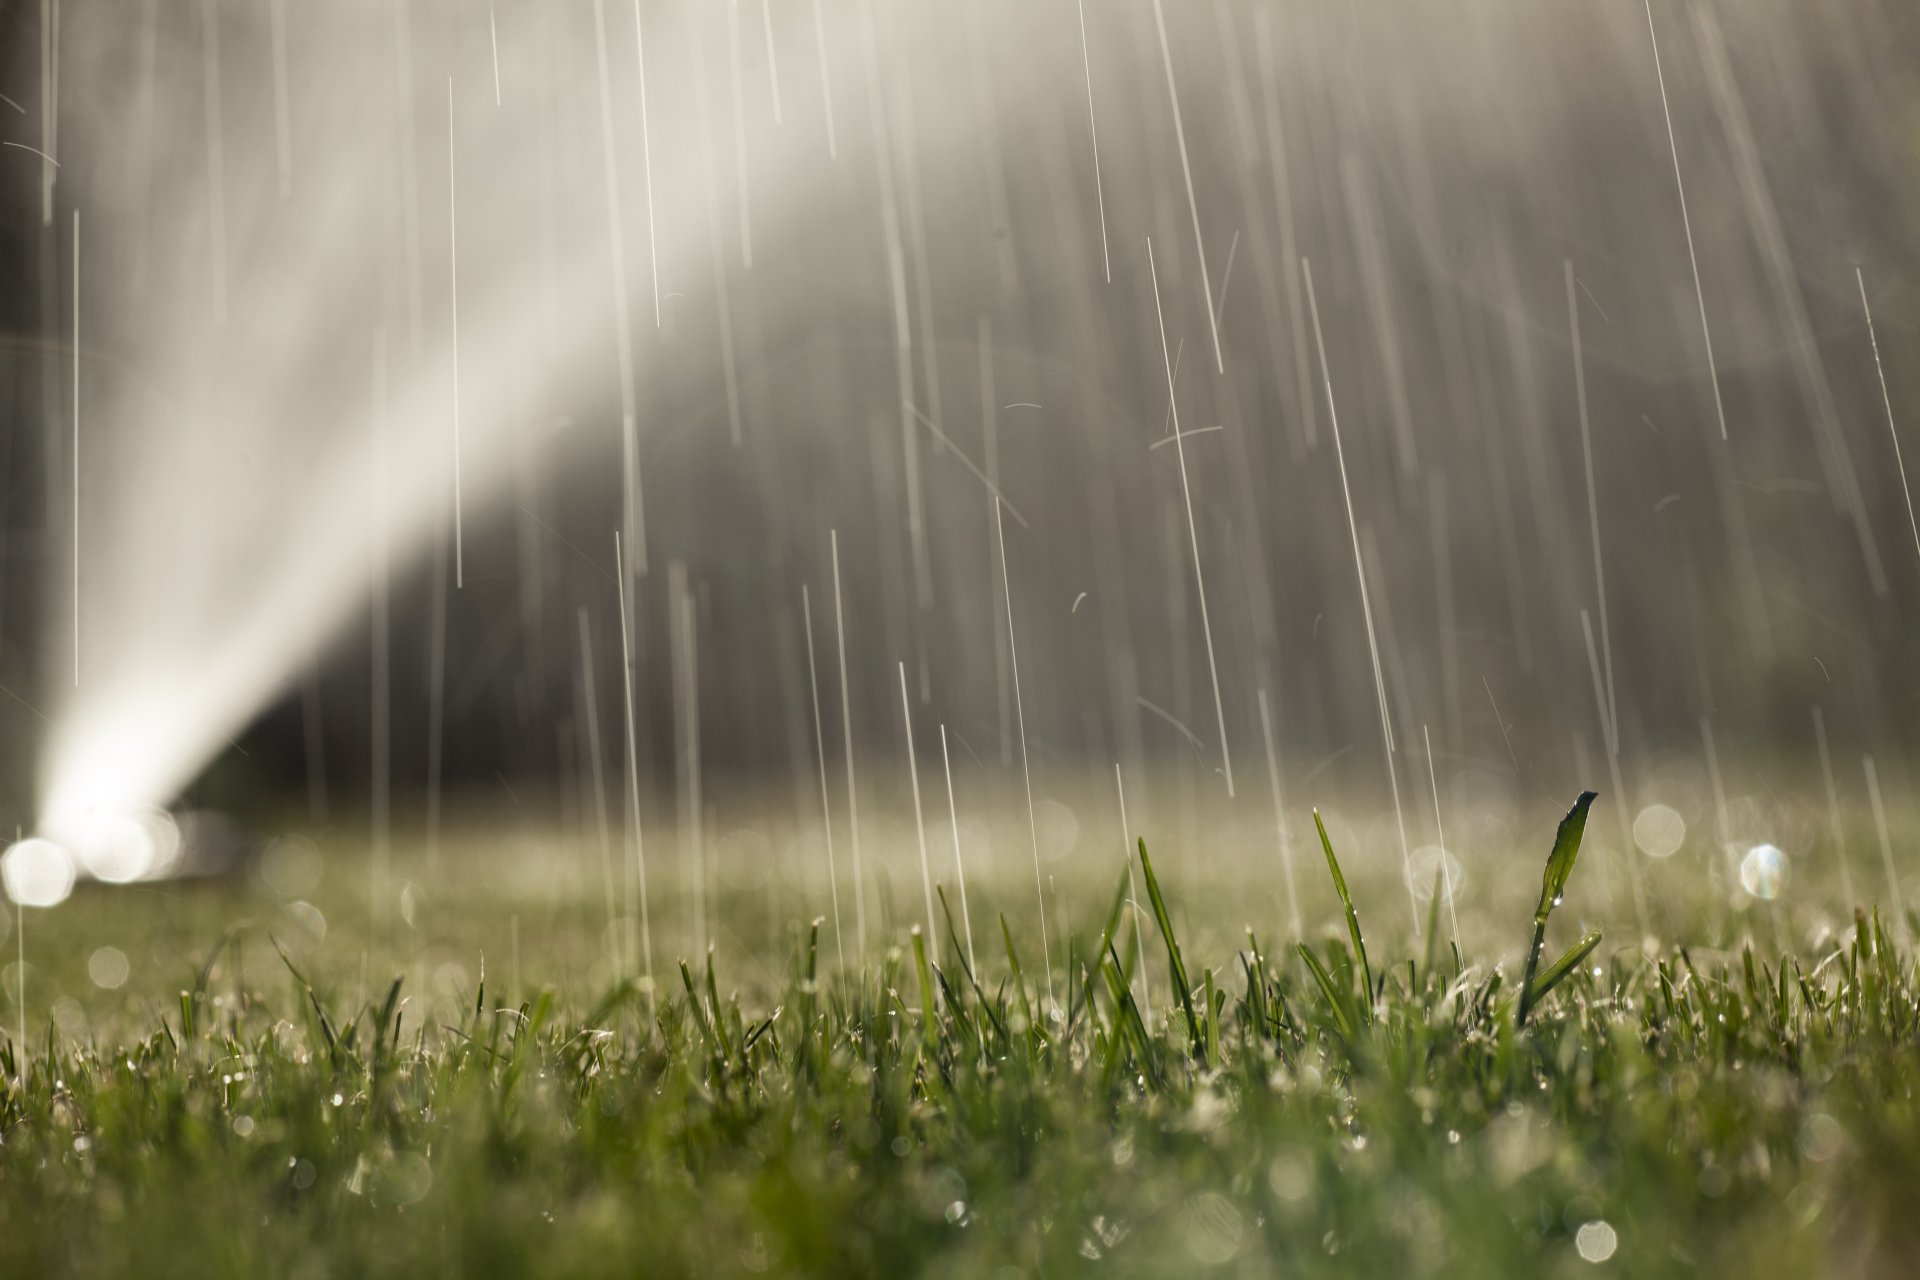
pixel 1337 1000
pixel 1175 965
pixel 1553 887
pixel 1565 965
pixel 1353 919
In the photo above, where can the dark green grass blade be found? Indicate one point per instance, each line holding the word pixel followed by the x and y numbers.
pixel 1565 965
pixel 925 976
pixel 1020 981
pixel 693 1003
pixel 1213 1025
pixel 1175 965
pixel 1336 1000
pixel 1553 886
pixel 1566 848
pixel 1129 1024
pixel 954 935
pixel 1353 918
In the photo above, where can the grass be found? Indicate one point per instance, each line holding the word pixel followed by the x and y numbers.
pixel 1306 1112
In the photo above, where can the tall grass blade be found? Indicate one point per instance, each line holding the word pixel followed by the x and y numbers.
pixel 1353 919
pixel 1553 887
pixel 1175 965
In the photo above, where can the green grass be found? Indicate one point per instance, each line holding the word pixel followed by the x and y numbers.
pixel 1305 1111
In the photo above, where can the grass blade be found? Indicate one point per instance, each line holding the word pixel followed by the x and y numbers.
pixel 1565 965
pixel 1175 965
pixel 1553 887
pixel 1353 918
pixel 1336 1000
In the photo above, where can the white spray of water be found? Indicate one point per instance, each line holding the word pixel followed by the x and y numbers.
pixel 229 524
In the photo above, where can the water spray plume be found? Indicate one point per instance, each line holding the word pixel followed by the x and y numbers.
pixel 209 580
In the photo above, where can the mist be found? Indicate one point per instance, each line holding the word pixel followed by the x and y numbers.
pixel 1520 353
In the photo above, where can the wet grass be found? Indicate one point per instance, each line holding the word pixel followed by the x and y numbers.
pixel 1322 1110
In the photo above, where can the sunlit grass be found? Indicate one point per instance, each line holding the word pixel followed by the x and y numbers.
pixel 1338 1108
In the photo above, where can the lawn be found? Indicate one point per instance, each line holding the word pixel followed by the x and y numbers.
pixel 237 1085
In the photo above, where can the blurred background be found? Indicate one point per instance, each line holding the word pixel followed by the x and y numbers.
pixel 340 340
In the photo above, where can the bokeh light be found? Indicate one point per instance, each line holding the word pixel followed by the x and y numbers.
pixel 108 968
pixel 1596 1241
pixel 110 847
pixel 1763 872
pixel 1659 830
pixel 1430 865
pixel 37 873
